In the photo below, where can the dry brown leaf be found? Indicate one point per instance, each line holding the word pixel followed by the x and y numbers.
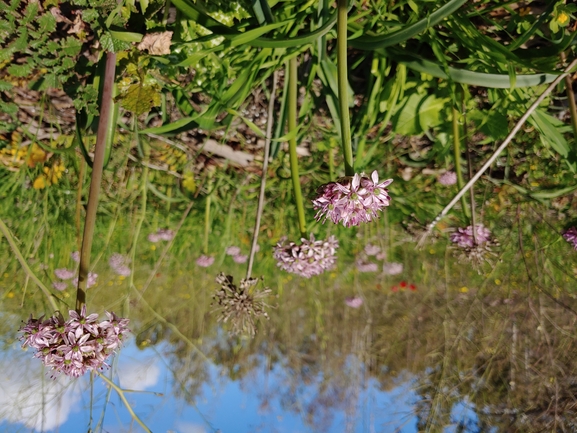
pixel 156 43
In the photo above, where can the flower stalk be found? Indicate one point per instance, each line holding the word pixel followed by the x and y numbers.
pixel 342 72
pixel 96 179
pixel 294 163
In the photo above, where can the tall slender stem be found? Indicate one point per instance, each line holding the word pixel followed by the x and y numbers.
pixel 503 145
pixel 269 124
pixel 206 224
pixel 457 158
pixel 292 125
pixel 96 179
pixel 343 84
pixel 571 99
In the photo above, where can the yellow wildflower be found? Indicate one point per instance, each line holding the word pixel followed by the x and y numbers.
pixel 563 18
pixel 39 182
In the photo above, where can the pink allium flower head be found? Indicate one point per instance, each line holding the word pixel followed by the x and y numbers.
pixel 308 259
pixel 392 268
pixel 77 345
pixel 161 235
pixel 119 264
pixel 448 178
pixel 464 238
pixel 60 285
pixel 240 258
pixel 354 302
pixel 64 274
pixel 372 250
pixel 363 266
pixel 205 261
pixel 75 256
pixel 570 235
pixel 91 281
pixel 352 200
pixel 233 251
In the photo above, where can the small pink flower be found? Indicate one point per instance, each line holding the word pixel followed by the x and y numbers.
pixel 464 238
pixel 240 258
pixel 233 251
pixel 354 302
pixel 363 266
pixel 64 274
pixel 352 200
pixel 75 256
pixel 448 178
pixel 161 235
pixel 392 268
pixel 307 259
pixel 205 261
pixel 119 264
pixel 372 250
pixel 91 281
pixel 60 285
pixel 570 235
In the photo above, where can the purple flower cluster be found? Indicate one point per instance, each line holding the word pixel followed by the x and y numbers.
pixel 570 235
pixel 354 302
pixel 119 264
pixel 464 238
pixel 161 235
pixel 205 261
pixel 77 345
pixel 448 178
pixel 352 200
pixel 308 259
pixel 234 251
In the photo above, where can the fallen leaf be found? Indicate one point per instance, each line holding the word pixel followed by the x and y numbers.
pixel 156 43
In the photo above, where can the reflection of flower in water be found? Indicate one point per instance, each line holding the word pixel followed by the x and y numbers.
pixel 77 345
pixel 240 305
pixel 161 235
pixel 205 261
pixel 352 200
pixel 570 235
pixel 119 264
pixel 448 178
pixel 392 268
pixel 354 302
pixel 308 259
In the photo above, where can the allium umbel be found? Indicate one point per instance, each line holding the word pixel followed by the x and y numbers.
pixel 570 235
pixel 352 200
pixel 77 345
pixel 240 305
pixel 308 259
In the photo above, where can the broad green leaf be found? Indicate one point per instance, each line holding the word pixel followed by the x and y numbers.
pixel 481 79
pixel 382 41
pixel 430 112
pixel 47 23
pixel 126 36
pixel 140 98
pixel 406 120
pixel 547 126
pixel 111 44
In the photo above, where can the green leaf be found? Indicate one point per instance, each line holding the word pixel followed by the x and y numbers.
pixel 4 85
pixel 47 23
pixel 126 36
pixel 382 41
pixel 406 120
pixel 111 44
pixel 20 70
pixel 140 98
pixel 547 126
pixel 553 193
pixel 430 112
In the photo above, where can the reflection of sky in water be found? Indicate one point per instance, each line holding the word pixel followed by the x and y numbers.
pixel 259 402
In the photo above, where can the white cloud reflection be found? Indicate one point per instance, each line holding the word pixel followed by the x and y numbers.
pixel 29 396
pixel 138 374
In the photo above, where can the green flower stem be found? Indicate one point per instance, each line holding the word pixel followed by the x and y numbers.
pixel 96 179
pixel 206 224
pixel 6 232
pixel 457 158
pixel 343 83
pixel 120 393
pixel 292 124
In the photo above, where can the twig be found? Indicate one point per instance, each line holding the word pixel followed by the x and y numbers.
pixel 503 145
pixel 264 174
